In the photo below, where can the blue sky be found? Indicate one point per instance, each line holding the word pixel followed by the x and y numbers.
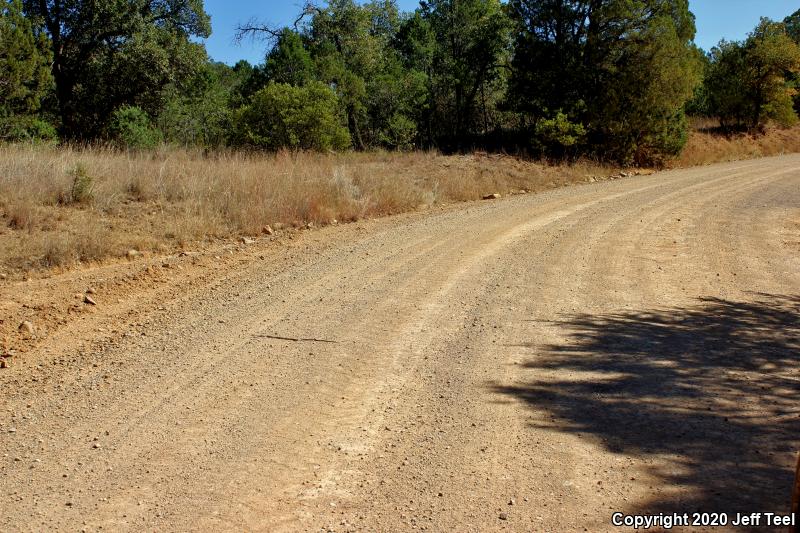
pixel 716 19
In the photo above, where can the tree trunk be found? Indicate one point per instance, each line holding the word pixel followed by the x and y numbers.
pixel 355 133
pixel 65 85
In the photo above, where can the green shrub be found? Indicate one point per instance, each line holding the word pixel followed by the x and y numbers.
pixel 25 128
pixel 664 141
pixel 285 116
pixel 82 188
pixel 400 132
pixel 559 131
pixel 131 128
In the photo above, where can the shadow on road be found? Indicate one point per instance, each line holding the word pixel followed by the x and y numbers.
pixel 716 386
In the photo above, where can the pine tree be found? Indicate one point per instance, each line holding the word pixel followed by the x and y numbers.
pixel 621 69
pixel 25 56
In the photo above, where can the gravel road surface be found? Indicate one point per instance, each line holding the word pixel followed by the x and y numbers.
pixel 533 363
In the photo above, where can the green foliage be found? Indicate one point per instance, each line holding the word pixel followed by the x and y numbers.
pixel 792 24
pixel 108 53
pixel 698 104
pixel 723 83
pixel 773 57
pixel 558 132
pixel 131 127
pixel 395 102
pixel 289 61
pixel 609 78
pixel 750 83
pixel 246 80
pixel 399 133
pixel 26 128
pixel 415 43
pixel 472 39
pixel 25 79
pixel 285 116
pixel 24 62
pixel 82 188
pixel 349 44
pixel 622 68
pixel 200 113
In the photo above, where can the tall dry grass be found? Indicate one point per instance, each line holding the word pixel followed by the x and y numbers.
pixel 705 147
pixel 68 205
pixel 60 206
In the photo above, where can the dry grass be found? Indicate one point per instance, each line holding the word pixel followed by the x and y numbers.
pixel 59 207
pixel 64 206
pixel 705 148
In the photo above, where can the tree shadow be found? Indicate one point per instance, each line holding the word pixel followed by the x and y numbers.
pixel 714 387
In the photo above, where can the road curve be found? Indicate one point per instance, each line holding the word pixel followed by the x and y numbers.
pixel 534 363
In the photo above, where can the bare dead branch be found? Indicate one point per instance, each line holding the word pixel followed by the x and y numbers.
pixel 265 31
pixel 257 31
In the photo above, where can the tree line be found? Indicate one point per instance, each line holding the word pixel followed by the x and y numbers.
pixel 613 79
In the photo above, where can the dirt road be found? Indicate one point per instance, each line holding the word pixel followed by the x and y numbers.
pixel 527 364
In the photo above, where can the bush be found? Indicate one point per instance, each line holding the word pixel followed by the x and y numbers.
pixel 400 132
pixel 665 141
pixel 284 116
pixel 131 128
pixel 81 190
pixel 559 132
pixel 21 128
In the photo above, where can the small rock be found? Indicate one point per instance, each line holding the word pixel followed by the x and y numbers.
pixel 96 446
pixel 512 501
pixel 310 225
pixel 267 230
pixel 3 276
pixel 493 196
pixel 247 240
pixel 89 300
pixel 503 516
pixel 90 290
pixel 3 363
pixel 27 327
pixel 132 254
